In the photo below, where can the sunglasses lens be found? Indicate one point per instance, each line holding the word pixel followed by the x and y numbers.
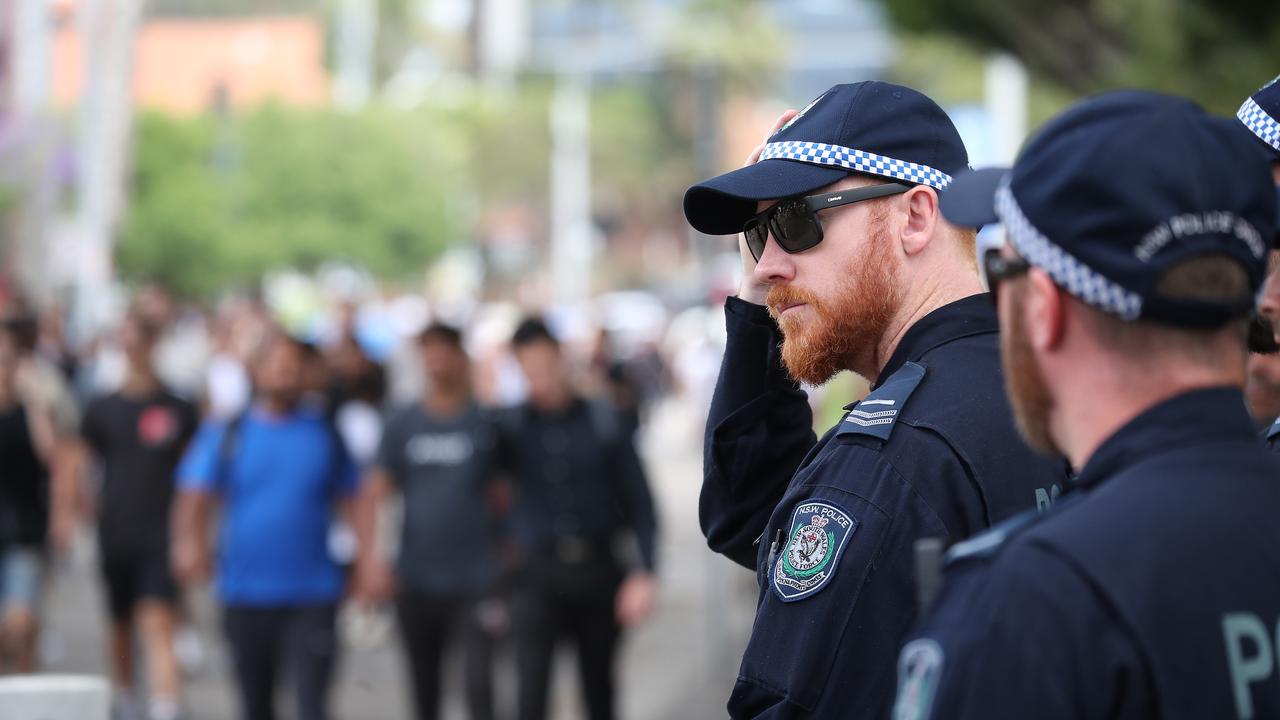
pixel 756 233
pixel 993 267
pixel 795 227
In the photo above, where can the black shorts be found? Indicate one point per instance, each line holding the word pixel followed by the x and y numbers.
pixel 137 575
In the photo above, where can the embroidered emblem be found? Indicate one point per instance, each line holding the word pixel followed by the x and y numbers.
pixel 800 114
pixel 919 666
pixel 819 532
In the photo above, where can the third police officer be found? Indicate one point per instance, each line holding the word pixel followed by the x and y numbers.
pixel 1138 228
pixel 850 266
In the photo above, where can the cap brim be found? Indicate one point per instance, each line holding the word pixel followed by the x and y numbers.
pixel 970 199
pixel 721 205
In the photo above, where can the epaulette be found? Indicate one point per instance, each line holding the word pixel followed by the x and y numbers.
pixel 988 543
pixel 877 413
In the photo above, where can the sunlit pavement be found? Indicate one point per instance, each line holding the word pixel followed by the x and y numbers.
pixel 679 666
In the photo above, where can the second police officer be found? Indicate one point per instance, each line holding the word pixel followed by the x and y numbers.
pixel 1138 228
pixel 850 266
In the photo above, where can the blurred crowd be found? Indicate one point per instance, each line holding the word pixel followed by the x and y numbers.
pixel 479 481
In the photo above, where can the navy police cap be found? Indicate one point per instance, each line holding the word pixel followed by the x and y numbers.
pixel 1120 188
pixel 1261 114
pixel 872 128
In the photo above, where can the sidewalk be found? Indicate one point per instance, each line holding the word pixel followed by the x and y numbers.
pixel 679 666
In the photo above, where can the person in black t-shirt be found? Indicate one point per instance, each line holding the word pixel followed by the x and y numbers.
pixel 138 434
pixel 27 439
pixel 438 453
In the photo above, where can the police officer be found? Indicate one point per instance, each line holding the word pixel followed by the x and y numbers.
pixel 1138 228
pixel 1260 114
pixel 850 266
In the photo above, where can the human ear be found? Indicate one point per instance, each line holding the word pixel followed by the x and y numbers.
pixel 922 218
pixel 1045 311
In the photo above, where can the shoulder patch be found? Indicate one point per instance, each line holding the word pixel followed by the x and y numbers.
pixel 919 668
pixel 818 534
pixel 876 414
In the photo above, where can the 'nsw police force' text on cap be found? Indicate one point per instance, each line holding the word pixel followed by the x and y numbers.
pixel 1120 188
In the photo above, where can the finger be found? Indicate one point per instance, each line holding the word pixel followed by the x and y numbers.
pixel 783 119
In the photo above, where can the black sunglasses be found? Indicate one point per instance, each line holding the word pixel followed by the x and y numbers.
pixel 794 222
pixel 999 268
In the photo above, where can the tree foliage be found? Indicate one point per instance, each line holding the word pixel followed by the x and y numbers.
pixel 216 203
pixel 1216 51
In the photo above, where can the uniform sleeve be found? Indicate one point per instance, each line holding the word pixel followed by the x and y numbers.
pixel 199 469
pixel 758 431
pixel 639 511
pixel 832 617
pixel 1024 636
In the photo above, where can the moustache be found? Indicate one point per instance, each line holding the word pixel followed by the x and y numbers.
pixel 783 296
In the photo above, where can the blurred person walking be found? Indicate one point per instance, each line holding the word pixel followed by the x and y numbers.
pixel 138 435
pixel 1152 588
pixel 439 455
pixel 280 473
pixel 28 440
pixel 579 493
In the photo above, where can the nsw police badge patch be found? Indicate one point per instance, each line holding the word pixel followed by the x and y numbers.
pixel 819 532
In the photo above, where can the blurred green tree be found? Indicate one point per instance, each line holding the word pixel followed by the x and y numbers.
pixel 218 202
pixel 1216 51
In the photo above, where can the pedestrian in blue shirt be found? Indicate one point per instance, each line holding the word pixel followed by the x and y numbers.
pixel 1138 228
pixel 279 474
pixel 847 265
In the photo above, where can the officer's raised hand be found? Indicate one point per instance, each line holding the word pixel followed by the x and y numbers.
pixel 751 289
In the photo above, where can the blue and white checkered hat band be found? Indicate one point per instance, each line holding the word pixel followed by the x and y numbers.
pixel 857 161
pixel 1260 123
pixel 1066 270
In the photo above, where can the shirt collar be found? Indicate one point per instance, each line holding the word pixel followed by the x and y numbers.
pixel 1191 418
pixel 974 315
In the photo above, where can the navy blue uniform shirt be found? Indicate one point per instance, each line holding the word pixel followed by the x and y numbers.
pixel 1151 590
pixel 578 482
pixel 931 452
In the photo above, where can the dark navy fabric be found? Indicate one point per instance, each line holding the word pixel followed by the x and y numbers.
pixel 578 480
pixel 892 121
pixel 1272 436
pixel 952 465
pixel 1151 590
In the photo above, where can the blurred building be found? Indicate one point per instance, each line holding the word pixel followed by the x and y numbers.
pixel 188 65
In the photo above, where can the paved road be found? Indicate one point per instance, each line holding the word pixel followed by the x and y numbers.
pixel 679 666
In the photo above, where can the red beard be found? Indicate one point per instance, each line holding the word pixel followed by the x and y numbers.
pixel 1024 384
pixel 848 326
